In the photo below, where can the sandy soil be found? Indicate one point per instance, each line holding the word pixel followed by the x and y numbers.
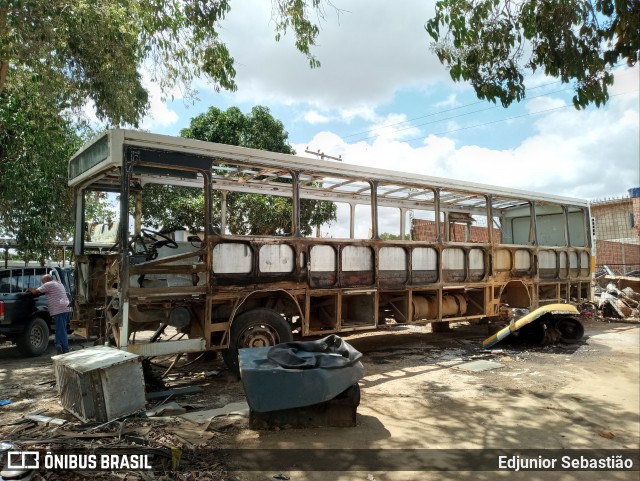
pixel 413 396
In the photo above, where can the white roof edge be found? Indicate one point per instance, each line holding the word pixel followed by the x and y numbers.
pixel 341 169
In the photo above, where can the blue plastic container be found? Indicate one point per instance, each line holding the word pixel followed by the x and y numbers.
pixel 269 386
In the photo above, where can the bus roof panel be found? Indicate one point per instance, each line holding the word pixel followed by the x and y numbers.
pixel 251 170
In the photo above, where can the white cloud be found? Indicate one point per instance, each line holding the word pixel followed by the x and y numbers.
pixel 625 80
pixel 392 127
pixel 587 154
pixel 159 115
pixel 313 117
pixel 363 112
pixel 367 52
pixel 451 101
pixel 377 52
pixel 541 104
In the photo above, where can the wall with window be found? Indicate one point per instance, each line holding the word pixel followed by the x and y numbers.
pixel 617 234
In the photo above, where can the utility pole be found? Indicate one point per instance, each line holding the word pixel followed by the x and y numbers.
pixel 322 155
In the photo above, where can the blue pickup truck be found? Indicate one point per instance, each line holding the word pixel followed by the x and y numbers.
pixel 24 318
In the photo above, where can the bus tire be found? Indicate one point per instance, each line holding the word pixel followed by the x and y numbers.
pixel 255 328
pixel 34 341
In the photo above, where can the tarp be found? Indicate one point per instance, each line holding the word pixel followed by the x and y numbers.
pixel 330 352
pixel 297 374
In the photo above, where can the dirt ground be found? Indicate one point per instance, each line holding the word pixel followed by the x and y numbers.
pixel 414 395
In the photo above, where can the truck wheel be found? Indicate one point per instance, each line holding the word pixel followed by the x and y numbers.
pixel 255 328
pixel 35 338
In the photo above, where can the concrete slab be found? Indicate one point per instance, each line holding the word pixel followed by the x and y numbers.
pixel 479 366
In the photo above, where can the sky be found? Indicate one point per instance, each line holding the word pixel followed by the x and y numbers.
pixel 382 99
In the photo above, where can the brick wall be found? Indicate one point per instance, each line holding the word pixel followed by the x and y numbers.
pixel 617 234
pixel 425 230
pixel 619 256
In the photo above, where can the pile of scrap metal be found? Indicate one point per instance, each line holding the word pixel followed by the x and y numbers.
pixel 619 296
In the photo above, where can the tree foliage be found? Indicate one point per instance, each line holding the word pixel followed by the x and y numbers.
pixel 389 236
pixel 173 207
pixel 95 48
pixel 35 143
pixel 55 55
pixel 492 43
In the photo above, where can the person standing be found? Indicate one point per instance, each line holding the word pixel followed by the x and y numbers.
pixel 59 309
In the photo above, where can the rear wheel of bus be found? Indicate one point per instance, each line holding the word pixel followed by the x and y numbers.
pixel 255 328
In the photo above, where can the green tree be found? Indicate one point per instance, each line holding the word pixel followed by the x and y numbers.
pixel 57 54
pixel 35 143
pixel 172 207
pixel 389 236
pixel 96 48
pixel 492 43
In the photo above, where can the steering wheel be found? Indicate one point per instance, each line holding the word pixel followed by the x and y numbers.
pixel 148 242
pixel 157 243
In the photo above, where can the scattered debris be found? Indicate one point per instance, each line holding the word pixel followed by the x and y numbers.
pixel 631 294
pixel 619 296
pixel 173 393
pixel 45 419
pixel 238 408
pixel 618 303
pixel 281 476
pixel 4 402
pixel 192 437
pixel 50 382
pixel 168 409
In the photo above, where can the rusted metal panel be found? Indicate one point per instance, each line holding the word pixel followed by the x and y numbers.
pixel 453 264
pixel 232 258
pixel 392 267
pixel 357 266
pixel 477 265
pixel 173 291
pixel 276 258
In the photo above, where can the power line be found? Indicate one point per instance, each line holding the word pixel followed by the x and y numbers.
pixel 466 113
pixel 508 118
pixel 458 108
pixel 449 110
